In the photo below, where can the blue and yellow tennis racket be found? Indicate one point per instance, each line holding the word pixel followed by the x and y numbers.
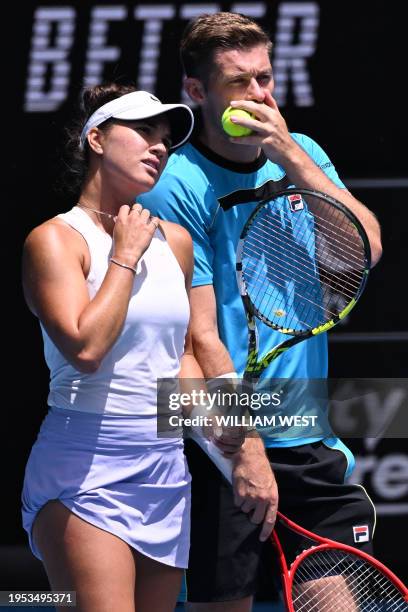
pixel 303 260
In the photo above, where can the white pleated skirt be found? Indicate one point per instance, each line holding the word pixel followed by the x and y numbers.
pixel 105 471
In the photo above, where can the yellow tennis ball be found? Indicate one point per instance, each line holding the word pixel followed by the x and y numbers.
pixel 234 129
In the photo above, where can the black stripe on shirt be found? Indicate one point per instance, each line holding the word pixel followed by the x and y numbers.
pixel 255 194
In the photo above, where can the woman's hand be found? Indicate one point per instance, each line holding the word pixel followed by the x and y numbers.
pixel 133 233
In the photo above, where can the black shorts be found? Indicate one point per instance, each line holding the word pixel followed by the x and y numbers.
pixel 225 551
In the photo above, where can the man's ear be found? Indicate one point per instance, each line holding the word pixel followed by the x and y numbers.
pixel 195 89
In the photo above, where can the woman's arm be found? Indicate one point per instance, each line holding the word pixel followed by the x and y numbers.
pixel 181 244
pixel 228 440
pixel 55 266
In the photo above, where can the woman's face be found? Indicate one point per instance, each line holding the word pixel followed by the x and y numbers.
pixel 136 152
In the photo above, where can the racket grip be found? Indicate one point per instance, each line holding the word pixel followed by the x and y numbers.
pixel 222 463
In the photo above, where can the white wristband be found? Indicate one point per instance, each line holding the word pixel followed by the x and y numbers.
pixel 228 375
pixel 214 382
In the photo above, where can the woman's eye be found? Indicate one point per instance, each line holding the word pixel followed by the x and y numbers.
pixel 149 131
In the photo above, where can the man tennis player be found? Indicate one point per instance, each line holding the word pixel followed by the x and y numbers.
pixel 210 186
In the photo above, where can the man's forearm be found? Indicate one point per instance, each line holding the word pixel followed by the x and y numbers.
pixel 253 445
pixel 304 173
pixel 212 355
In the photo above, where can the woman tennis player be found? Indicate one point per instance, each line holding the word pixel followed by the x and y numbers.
pixel 105 501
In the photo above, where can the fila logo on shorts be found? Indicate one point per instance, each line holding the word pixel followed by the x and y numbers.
pixel 361 534
pixel 295 202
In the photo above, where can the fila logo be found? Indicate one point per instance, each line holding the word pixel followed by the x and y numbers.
pixel 361 534
pixel 295 202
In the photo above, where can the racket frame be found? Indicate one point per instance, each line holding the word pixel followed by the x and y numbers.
pixel 224 464
pixel 288 572
pixel 255 367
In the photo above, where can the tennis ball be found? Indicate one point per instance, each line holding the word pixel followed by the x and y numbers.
pixel 233 129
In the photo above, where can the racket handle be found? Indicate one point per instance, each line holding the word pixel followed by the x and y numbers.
pixel 222 463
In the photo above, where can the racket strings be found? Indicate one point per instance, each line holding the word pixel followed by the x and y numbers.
pixel 298 251
pixel 326 276
pixel 340 595
pixel 346 251
pixel 263 235
pixel 271 301
pixel 345 246
pixel 302 275
pixel 335 231
pixel 337 580
pixel 348 598
pixel 253 249
pixel 271 296
pixel 263 284
pixel 357 572
pixel 307 277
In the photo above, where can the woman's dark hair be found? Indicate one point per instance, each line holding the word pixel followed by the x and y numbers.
pixel 76 160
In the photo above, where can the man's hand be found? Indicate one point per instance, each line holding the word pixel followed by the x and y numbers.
pixel 269 129
pixel 254 484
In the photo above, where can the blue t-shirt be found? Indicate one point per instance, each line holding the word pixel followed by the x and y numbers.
pixel 212 198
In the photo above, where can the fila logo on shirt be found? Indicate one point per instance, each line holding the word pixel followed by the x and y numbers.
pixel 361 534
pixel 295 202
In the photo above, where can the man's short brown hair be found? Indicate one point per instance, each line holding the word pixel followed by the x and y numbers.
pixel 209 33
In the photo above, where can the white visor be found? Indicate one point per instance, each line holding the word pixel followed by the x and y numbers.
pixel 142 105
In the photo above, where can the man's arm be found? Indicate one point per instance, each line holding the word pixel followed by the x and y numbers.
pixel 254 484
pixel 211 353
pixel 272 135
pixel 304 173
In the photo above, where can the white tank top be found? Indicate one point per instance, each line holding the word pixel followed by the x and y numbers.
pixel 150 344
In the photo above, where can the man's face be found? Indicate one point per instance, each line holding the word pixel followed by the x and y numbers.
pixel 237 75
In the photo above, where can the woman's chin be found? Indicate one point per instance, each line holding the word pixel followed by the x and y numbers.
pixel 146 182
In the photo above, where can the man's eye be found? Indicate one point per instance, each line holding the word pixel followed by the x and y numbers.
pixel 167 143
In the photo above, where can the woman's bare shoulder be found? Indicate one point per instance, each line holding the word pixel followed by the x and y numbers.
pixel 53 235
pixel 176 233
